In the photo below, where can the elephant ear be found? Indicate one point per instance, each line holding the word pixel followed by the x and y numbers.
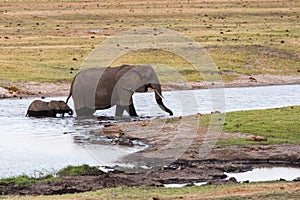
pixel 126 84
pixel 145 72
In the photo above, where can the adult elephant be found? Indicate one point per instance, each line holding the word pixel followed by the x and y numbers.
pixel 101 88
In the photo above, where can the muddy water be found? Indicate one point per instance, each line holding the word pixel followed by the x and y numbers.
pixel 38 146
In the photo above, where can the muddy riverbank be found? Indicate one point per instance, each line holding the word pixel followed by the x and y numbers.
pixel 188 168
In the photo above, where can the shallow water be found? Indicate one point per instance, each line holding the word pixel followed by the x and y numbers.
pixel 179 185
pixel 267 174
pixel 35 146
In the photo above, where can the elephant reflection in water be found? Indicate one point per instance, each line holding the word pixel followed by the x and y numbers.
pixel 101 88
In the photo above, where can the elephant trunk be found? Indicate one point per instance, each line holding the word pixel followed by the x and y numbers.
pixel 159 97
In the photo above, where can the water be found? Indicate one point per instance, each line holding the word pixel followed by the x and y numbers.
pixel 267 174
pixel 179 185
pixel 39 146
pixel 234 99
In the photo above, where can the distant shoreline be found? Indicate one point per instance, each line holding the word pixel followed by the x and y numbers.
pixel 45 89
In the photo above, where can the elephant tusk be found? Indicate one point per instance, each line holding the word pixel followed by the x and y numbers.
pixel 159 94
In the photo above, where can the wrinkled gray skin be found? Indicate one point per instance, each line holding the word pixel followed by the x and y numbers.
pixel 101 88
pixel 40 108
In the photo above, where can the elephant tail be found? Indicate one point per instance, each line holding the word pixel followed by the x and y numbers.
pixel 71 89
pixel 70 94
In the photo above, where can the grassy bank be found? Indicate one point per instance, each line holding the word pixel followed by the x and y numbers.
pixel 272 190
pixel 42 40
pixel 279 126
pixel 24 180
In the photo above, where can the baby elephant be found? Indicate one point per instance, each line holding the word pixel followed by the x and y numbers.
pixel 40 108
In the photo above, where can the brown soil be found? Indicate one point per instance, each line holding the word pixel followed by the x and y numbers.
pixel 33 89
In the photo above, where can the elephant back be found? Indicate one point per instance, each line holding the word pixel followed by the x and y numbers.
pixel 38 105
pixel 39 108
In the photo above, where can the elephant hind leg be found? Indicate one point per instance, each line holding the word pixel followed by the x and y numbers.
pixel 119 110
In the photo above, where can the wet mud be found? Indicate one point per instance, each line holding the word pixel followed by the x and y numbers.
pixel 189 168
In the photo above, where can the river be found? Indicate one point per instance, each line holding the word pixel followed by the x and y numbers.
pixel 39 146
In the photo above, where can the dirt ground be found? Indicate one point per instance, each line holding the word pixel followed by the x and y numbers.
pixel 189 162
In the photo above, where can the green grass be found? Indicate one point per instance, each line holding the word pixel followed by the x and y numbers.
pixel 256 59
pixel 24 180
pixel 280 126
pixel 272 196
pixel 82 170
pixel 149 192
pixel 146 193
pixel 39 40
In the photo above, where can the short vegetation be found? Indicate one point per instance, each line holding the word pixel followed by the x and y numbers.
pixel 24 180
pixel 48 41
pixel 82 170
pixel 279 126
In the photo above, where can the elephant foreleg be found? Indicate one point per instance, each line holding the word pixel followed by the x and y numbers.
pixel 129 109
pixel 85 112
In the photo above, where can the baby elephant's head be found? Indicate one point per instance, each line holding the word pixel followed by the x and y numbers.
pixel 60 107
